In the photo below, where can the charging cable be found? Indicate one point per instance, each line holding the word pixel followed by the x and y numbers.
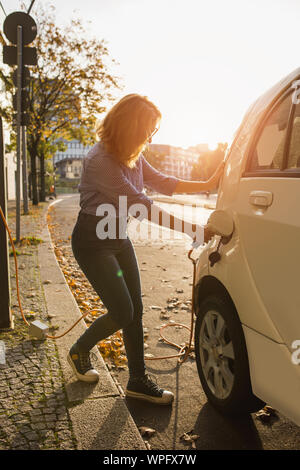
pixel 184 351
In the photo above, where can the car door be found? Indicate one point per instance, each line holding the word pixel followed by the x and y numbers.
pixel 268 211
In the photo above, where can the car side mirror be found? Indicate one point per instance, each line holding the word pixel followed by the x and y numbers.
pixel 221 223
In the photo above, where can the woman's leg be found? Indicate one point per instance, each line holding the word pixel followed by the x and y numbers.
pixel 133 333
pixel 140 385
pixel 116 280
pixel 115 277
pixel 103 272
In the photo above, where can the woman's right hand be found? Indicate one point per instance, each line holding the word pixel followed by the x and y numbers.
pixel 203 234
pixel 207 234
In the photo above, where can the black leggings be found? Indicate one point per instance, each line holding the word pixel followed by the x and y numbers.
pixel 112 269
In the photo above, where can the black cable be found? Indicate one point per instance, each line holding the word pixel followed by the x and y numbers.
pixel 3 9
pixel 31 5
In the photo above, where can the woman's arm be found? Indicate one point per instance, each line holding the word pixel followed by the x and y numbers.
pixel 185 186
pixel 156 180
pixel 163 218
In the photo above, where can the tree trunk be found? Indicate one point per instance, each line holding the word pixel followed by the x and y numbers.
pixel 43 188
pixel 34 185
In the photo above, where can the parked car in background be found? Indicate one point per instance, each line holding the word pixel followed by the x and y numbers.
pixel 247 293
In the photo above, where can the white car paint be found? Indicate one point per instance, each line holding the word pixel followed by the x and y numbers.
pixel 260 266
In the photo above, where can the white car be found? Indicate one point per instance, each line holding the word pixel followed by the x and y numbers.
pixel 247 292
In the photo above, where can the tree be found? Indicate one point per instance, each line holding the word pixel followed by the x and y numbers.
pixel 208 162
pixel 46 150
pixel 68 88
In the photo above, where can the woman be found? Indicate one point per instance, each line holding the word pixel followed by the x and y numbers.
pixel 115 168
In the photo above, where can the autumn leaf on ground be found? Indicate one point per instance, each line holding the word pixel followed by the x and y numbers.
pixel 146 432
pixel 266 414
pixel 190 438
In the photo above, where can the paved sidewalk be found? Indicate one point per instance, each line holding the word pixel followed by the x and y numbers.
pixel 42 405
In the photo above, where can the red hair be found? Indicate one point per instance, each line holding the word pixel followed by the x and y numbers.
pixel 127 127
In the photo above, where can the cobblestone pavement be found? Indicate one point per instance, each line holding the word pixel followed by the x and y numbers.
pixel 33 405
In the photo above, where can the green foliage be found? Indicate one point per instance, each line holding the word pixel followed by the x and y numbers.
pixel 69 84
pixel 68 87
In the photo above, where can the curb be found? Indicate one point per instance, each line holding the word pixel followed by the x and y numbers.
pixel 99 415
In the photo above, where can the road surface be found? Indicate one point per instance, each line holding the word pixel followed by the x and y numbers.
pixel 166 275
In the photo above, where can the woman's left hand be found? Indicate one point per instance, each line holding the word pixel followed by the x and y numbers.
pixel 191 187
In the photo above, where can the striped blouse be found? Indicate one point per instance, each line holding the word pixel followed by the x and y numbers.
pixel 104 179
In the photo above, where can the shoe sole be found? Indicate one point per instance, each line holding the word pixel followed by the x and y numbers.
pixel 141 396
pixel 81 377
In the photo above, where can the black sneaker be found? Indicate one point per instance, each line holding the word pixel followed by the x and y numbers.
pixel 81 365
pixel 144 388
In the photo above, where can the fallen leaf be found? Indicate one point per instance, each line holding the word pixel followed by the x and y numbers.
pixel 190 438
pixel 266 414
pixel 164 316
pixel 30 314
pixel 184 307
pixel 147 432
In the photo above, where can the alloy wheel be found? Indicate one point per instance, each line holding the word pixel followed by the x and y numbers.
pixel 216 354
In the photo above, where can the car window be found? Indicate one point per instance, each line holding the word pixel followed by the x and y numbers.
pixel 294 149
pixel 269 149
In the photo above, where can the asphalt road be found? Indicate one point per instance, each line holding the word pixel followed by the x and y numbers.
pixel 166 275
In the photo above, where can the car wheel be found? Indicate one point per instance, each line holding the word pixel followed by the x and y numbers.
pixel 222 359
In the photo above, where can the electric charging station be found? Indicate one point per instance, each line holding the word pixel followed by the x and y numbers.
pixel 6 321
pixel 20 29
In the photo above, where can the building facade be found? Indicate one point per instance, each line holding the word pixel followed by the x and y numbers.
pixel 176 160
pixel 69 168
pixel 10 166
pixel 74 150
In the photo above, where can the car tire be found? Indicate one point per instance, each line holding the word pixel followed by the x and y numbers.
pixel 222 359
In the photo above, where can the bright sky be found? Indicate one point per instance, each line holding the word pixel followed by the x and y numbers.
pixel 201 62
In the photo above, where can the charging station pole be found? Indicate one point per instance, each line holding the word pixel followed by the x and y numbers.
pixel 5 313
pixel 24 171
pixel 20 29
pixel 19 130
